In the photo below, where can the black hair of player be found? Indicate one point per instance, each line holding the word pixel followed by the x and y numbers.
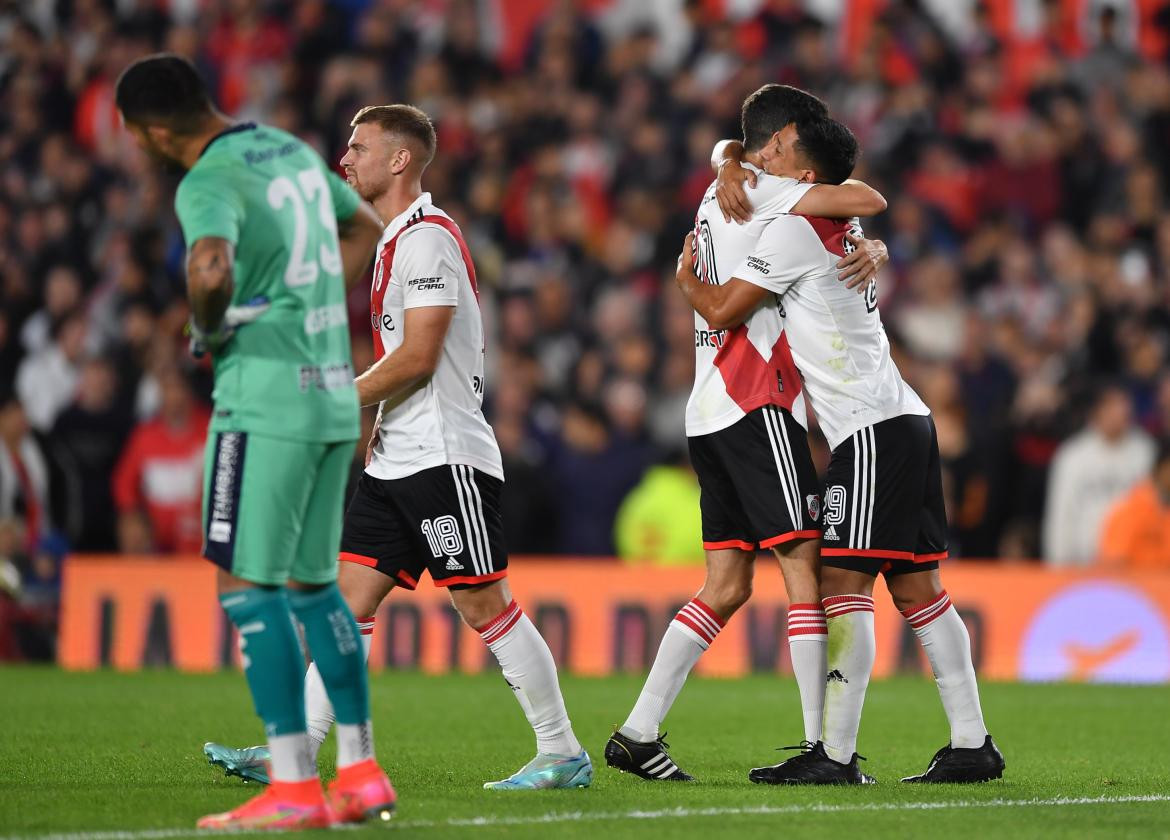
pixel 829 147
pixel 165 90
pixel 774 106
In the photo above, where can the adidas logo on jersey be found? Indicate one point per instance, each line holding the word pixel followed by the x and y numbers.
pixel 454 565
pixel 831 533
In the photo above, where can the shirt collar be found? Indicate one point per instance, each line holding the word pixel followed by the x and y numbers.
pixel 231 129
pixel 402 218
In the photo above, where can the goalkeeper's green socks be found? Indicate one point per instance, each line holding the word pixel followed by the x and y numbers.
pixel 273 665
pixel 336 648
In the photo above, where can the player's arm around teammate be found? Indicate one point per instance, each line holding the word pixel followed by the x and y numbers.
pixel 849 198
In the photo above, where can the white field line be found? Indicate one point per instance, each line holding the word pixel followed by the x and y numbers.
pixel 664 813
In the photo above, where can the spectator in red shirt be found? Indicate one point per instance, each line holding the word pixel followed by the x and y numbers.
pixel 158 481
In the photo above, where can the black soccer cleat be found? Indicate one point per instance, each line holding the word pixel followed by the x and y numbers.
pixel 812 767
pixel 958 764
pixel 647 759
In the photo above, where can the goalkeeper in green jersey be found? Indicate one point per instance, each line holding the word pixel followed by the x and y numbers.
pixel 273 237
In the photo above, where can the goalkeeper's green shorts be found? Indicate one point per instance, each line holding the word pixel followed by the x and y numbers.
pixel 272 508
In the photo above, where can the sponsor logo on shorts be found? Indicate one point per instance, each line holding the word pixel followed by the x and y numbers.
pixel 831 533
pixel 224 487
pixel 814 506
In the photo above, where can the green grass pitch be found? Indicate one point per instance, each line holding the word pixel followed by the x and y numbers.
pixel 110 756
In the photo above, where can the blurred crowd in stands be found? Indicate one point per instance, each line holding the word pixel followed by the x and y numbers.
pixel 1025 157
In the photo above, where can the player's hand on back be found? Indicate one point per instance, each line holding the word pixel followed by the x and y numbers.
pixel 860 267
pixel 730 191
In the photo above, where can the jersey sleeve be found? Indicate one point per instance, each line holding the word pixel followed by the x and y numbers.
pixel 208 205
pixel 774 196
pixel 345 199
pixel 427 261
pixel 783 255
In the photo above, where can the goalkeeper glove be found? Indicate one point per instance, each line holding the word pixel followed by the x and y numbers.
pixel 203 341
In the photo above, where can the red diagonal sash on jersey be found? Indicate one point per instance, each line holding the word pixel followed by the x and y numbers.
pixel 831 232
pixel 753 382
pixel 385 262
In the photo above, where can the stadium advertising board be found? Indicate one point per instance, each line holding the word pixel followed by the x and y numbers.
pixel 601 617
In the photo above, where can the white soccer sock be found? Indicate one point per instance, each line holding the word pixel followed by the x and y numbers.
pixel 355 742
pixel 808 644
pixel 691 632
pixel 290 758
pixel 850 662
pixel 529 668
pixel 948 647
pixel 318 709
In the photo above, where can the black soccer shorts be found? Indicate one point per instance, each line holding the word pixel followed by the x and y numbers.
pixel 757 481
pixel 443 519
pixel 884 508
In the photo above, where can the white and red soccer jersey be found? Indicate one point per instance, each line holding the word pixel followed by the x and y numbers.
pixel 836 335
pixel 423 261
pixel 745 368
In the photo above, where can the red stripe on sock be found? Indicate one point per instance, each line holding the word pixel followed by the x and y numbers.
pixel 501 624
pixel 838 605
pixel 703 619
pixel 807 620
pixel 710 612
pixel 703 632
pixel 925 614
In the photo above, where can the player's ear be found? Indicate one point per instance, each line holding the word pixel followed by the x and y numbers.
pixel 772 148
pixel 160 137
pixel 400 161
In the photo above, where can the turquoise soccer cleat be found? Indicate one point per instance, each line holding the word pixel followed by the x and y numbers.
pixel 250 763
pixel 548 771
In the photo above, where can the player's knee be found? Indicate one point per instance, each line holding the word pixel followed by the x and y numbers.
pixel 836 581
pixel 913 590
pixel 361 590
pixel 478 605
pixel 727 595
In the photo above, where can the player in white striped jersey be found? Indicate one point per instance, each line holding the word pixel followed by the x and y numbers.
pixel 884 510
pixel 429 499
pixel 745 424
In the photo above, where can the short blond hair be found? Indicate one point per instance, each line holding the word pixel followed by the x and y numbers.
pixel 405 120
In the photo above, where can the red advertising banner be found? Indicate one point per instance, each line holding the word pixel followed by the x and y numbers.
pixel 601 617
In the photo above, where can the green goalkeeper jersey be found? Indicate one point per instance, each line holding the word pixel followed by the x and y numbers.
pixel 288 374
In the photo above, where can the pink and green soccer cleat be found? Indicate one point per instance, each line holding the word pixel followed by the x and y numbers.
pixel 362 792
pixel 284 806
